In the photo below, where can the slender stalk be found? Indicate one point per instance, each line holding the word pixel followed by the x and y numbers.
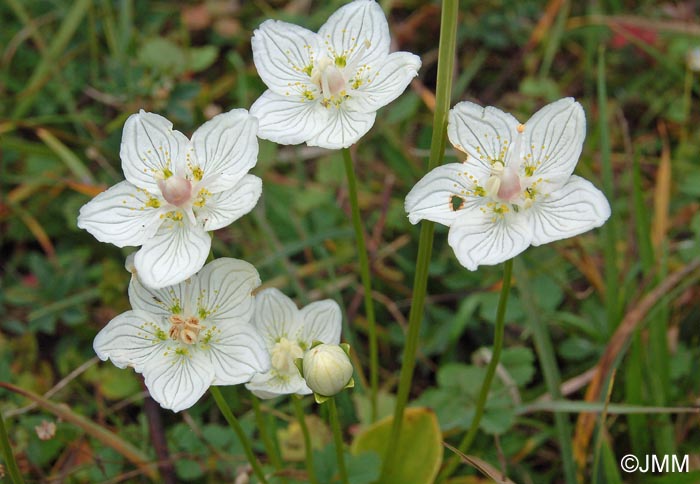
pixel 270 446
pixel 8 456
pixel 366 282
pixel 446 56
pixel 338 439
pixel 236 426
pixel 490 372
pixel 308 457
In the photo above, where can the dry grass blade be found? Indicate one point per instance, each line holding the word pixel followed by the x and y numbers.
pixel 96 431
pixel 482 466
pixel 634 317
pixel 662 191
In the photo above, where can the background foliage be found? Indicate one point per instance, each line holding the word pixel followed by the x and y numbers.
pixel 72 71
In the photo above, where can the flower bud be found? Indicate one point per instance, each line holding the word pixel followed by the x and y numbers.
pixel 327 369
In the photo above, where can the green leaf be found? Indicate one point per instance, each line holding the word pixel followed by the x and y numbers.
pixel 419 448
pixel 363 468
pixel 199 58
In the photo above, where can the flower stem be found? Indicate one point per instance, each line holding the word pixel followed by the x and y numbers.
pixel 338 439
pixel 270 447
pixel 366 282
pixel 446 55
pixel 236 426
pixel 490 372
pixel 7 455
pixel 308 457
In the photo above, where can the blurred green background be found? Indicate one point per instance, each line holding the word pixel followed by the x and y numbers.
pixel 71 72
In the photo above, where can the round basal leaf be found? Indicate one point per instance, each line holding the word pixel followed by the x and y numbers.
pixel 419 449
pixel 116 384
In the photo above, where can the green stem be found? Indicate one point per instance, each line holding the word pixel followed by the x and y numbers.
pixel 308 457
pixel 366 281
pixel 490 371
pixel 338 439
pixel 270 446
pixel 446 56
pixel 7 455
pixel 236 426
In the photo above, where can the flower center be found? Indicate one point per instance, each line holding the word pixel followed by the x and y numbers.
pixel 176 190
pixel 330 80
pixel 504 183
pixel 185 330
pixel 283 355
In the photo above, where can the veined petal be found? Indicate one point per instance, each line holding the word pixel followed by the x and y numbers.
pixel 288 120
pixel 236 351
pixel 225 149
pixel 358 32
pixel 179 378
pixel 132 339
pixel 481 236
pixel 222 292
pixel 276 316
pixel 575 208
pixel 379 88
pixel 321 321
pixel 553 139
pixel 437 195
pixel 162 302
pixel 484 134
pixel 176 252
pixel 123 215
pixel 151 150
pixel 271 384
pixel 343 128
pixel 223 208
pixel 284 55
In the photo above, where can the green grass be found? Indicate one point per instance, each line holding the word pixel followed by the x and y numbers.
pixel 72 72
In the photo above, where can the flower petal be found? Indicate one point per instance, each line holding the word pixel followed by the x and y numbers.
pixel 554 137
pixel 150 148
pixel 178 379
pixel 223 208
pixel 575 208
pixel 132 339
pixel 123 215
pixel 433 197
pixel 223 292
pixel 358 31
pixel 284 55
pixel 386 84
pixel 225 148
pixel 484 134
pixel 321 321
pixel 176 252
pixel 288 120
pixel 276 316
pixel 237 352
pixel 482 237
pixel 343 128
pixel 271 384
pixel 162 302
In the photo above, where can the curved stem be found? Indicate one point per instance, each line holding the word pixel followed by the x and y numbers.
pixel 236 426
pixel 366 281
pixel 270 446
pixel 308 457
pixel 338 439
pixel 446 55
pixel 8 456
pixel 490 372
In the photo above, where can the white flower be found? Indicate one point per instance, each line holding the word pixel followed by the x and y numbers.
pixel 326 88
pixel 186 337
pixel 693 59
pixel 176 190
pixel 288 333
pixel 327 369
pixel 515 188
